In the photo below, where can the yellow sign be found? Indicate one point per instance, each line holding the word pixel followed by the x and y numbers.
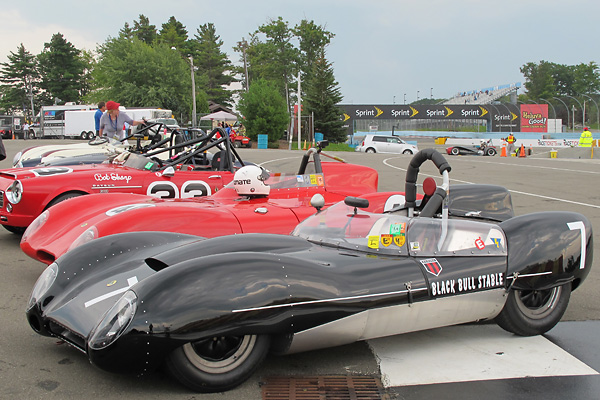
pixel 386 239
pixel 373 242
pixel 399 240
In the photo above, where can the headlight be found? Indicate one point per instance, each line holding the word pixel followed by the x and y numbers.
pixel 35 225
pixel 87 236
pixel 16 159
pixel 14 192
pixel 42 285
pixel 114 322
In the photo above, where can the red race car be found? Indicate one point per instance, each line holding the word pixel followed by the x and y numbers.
pixel 26 192
pixel 253 202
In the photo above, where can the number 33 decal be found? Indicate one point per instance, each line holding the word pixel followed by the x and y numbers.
pixel 168 190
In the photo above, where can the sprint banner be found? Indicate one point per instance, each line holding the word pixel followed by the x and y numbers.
pixel 501 118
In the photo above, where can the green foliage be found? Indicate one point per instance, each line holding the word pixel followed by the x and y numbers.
pixel 18 76
pixel 213 64
pixel 546 79
pixel 322 96
pixel 138 75
pixel 265 110
pixel 174 34
pixel 144 31
pixel 61 69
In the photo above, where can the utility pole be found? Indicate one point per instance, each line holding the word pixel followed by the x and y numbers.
pixel 299 110
pixel 193 92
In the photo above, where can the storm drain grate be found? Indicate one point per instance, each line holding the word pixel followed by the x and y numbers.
pixel 323 388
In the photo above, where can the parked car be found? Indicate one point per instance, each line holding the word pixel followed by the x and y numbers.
pixel 26 192
pixel 386 144
pixel 72 223
pixel 209 310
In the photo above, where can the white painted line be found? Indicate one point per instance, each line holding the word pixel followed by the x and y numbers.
pixel 470 353
pixel 385 162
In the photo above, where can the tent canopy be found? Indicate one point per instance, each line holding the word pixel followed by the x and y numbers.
pixel 220 116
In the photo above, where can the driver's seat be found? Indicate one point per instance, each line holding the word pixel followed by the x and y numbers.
pixel 219 164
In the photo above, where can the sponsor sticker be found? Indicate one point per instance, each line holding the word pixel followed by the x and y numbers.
pixel 432 266
pixel 479 243
pixel 373 242
pixel 399 240
pixel 398 227
pixel 497 242
pixel 386 239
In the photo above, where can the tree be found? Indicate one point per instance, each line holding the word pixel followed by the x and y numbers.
pixel 276 59
pixel 19 76
pixel 138 75
pixel 321 98
pixel 313 39
pixel 174 34
pixel 213 65
pixel 61 69
pixel 144 31
pixel 265 110
pixel 539 80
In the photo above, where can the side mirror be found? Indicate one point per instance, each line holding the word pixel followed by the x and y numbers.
pixel 169 172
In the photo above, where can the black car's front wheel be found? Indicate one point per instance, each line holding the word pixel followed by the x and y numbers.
pixel 533 312
pixel 218 363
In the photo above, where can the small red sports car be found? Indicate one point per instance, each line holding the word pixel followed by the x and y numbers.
pixel 77 221
pixel 26 192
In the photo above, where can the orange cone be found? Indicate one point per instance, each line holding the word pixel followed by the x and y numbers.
pixel 503 152
pixel 522 152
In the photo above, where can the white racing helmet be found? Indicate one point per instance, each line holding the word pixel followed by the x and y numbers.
pixel 250 181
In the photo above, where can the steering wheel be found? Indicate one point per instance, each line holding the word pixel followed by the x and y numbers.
pixel 98 140
pixel 412 173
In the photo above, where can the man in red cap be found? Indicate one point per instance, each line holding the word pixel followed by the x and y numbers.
pixel 112 121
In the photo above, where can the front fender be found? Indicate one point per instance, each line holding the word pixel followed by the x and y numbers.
pixel 547 249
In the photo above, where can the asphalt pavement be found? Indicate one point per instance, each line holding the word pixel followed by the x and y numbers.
pixel 33 367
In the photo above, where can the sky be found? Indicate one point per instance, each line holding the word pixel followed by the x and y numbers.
pixel 383 52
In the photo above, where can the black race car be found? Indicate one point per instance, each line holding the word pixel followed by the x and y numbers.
pixel 210 309
pixel 484 149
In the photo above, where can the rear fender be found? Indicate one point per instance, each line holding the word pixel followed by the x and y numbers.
pixel 548 249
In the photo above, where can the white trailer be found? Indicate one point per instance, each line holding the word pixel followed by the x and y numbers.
pixel 52 121
pixel 80 124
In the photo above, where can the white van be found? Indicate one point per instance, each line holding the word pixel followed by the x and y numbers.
pixel 386 144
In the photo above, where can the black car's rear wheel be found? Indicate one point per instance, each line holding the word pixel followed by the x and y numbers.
pixel 218 363
pixel 490 152
pixel 533 312
pixel 455 151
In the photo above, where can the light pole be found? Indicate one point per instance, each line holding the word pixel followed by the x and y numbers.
pixel 404 98
pixel 597 109
pixel 582 113
pixel 567 108
pixel 431 93
pixel 193 92
pixel 394 100
pixel 417 95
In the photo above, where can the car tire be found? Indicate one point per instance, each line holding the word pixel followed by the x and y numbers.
pixel 370 150
pixel 490 152
pixel 454 151
pixel 236 144
pixel 63 197
pixel 83 135
pixel 534 312
pixel 407 151
pixel 218 363
pixel 17 230
pixel 90 135
pixel 31 135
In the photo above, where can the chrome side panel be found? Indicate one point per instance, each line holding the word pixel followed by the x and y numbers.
pixel 400 319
